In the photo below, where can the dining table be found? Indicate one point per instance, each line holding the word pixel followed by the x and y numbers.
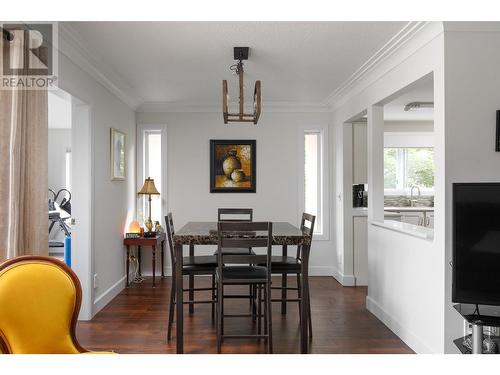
pixel 197 233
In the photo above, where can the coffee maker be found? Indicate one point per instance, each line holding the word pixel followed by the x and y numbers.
pixel 359 195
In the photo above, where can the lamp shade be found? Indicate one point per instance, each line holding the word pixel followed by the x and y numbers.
pixel 149 187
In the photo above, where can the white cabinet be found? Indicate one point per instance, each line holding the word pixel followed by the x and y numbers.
pixel 430 218
pixel 411 218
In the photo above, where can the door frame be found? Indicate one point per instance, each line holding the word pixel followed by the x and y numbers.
pixel 82 158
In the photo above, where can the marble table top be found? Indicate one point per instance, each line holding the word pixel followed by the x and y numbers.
pixel 205 233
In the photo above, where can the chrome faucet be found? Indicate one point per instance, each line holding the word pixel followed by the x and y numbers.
pixel 413 201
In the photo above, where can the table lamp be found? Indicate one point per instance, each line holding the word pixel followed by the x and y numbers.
pixel 149 188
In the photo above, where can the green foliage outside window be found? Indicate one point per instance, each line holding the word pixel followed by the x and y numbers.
pixel 407 167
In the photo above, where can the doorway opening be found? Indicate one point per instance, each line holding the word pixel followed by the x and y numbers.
pixel 70 182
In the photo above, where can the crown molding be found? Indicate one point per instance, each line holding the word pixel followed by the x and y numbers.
pixel 473 26
pixel 269 107
pixel 71 46
pixel 395 43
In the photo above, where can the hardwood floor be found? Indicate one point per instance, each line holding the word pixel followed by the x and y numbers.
pixel 136 322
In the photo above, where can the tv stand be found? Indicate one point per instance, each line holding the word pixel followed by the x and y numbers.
pixel 486 316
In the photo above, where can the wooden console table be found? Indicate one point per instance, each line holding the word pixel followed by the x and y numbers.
pixel 152 242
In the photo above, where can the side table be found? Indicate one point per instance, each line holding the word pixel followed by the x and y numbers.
pixel 140 242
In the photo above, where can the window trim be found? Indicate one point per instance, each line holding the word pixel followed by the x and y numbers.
pixel 322 130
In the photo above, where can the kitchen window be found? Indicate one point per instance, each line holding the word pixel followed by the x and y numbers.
pixel 405 167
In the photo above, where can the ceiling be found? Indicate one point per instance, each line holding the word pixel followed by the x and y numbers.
pixel 185 62
pixel 420 91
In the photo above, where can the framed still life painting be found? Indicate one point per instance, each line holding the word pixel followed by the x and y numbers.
pixel 232 166
pixel 118 167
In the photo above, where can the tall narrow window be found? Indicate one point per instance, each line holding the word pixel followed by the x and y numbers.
pixel 313 177
pixel 152 168
pixel 67 176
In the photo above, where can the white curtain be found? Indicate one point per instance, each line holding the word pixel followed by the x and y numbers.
pixel 23 168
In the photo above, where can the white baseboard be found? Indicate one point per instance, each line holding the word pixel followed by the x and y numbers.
pixel 320 271
pixel 403 333
pixel 108 295
pixel 313 271
pixel 344 280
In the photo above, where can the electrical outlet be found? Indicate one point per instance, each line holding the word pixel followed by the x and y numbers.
pixel 95 281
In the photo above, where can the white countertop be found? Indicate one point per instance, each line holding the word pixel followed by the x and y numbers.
pixel 410 209
pixel 413 230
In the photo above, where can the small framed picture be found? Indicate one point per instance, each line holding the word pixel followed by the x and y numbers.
pixel 118 159
pixel 233 166
pixel 497 138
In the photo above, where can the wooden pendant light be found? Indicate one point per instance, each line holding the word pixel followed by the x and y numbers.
pixel 241 53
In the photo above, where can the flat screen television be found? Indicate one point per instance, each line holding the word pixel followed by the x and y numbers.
pixel 476 243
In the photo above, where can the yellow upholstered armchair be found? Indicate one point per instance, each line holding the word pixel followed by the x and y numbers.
pixel 40 299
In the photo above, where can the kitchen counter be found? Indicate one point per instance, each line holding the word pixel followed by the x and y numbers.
pixel 413 230
pixel 410 209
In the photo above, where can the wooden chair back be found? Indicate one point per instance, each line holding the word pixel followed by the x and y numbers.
pixel 307 227
pixel 244 235
pixel 169 223
pixel 237 213
pixel 40 298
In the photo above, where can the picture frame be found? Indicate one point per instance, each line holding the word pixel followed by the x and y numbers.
pixel 233 166
pixel 497 136
pixel 118 155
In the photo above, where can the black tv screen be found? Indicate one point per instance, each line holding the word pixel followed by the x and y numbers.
pixel 476 243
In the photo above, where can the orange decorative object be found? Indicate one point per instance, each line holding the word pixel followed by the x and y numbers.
pixel 134 227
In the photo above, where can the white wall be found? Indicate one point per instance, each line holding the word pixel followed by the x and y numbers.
pixel 279 172
pixel 113 202
pixel 59 142
pixel 406 273
pixel 472 61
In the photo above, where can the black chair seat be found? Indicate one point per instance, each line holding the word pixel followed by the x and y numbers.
pixel 199 263
pixel 200 260
pixel 284 263
pixel 238 273
pixel 235 251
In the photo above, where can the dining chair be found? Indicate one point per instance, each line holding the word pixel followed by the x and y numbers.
pixel 238 215
pixel 40 299
pixel 242 269
pixel 191 266
pixel 235 215
pixel 285 265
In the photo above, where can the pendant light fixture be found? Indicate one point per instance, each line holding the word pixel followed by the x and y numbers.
pixel 240 54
